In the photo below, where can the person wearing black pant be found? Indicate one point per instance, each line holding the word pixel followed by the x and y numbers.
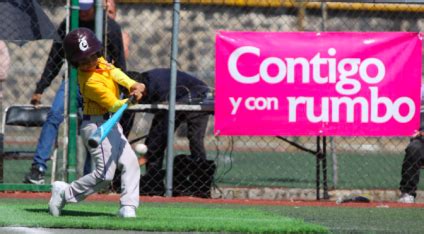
pixel 412 163
pixel 189 89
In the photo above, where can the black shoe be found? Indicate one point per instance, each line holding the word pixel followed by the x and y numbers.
pixel 35 176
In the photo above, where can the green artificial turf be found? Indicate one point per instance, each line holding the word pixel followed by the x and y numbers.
pixel 195 217
pixel 358 220
pixel 297 170
pixel 177 217
pixel 280 169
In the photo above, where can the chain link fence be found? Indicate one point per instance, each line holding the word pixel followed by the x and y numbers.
pixel 241 166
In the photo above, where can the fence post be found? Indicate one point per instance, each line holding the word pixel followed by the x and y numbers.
pixel 171 113
pixel 73 120
pixel 99 20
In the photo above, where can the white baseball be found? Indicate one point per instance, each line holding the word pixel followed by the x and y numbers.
pixel 140 148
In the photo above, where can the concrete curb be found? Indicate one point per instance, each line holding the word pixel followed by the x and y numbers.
pixel 267 193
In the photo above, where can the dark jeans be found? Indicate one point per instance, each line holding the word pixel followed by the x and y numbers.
pixel 412 163
pixel 157 137
pixel 50 129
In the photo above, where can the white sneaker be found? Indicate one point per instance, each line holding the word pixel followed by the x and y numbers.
pixel 406 198
pixel 127 212
pixel 57 200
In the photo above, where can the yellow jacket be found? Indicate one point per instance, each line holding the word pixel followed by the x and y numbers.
pixel 100 89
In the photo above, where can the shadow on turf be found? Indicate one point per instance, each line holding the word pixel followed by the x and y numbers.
pixel 73 213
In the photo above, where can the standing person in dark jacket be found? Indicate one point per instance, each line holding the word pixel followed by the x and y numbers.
pixel 413 162
pixel 188 89
pixel 411 166
pixel 49 132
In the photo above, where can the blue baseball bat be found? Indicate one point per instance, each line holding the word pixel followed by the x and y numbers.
pixel 101 132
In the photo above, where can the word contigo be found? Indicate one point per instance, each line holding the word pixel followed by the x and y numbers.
pixel 345 73
pixel 346 67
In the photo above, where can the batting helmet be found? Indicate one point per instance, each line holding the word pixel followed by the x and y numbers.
pixel 80 43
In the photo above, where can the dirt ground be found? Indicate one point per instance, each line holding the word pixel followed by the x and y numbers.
pixel 160 199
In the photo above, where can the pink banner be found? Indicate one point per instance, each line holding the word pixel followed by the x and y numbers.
pixel 328 84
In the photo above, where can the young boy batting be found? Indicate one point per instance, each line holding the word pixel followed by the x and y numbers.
pixel 98 82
